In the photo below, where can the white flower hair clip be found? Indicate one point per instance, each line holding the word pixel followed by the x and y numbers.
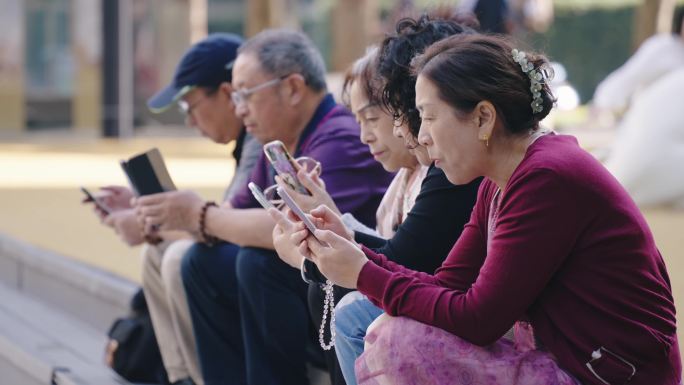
pixel 537 76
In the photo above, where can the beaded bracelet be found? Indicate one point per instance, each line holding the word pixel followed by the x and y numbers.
pixel 206 238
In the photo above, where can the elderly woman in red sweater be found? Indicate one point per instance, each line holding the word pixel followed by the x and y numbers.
pixel 555 249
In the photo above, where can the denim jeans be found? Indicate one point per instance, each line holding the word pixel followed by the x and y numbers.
pixel 353 314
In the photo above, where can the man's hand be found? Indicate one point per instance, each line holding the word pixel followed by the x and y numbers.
pixel 126 226
pixel 174 210
pixel 115 197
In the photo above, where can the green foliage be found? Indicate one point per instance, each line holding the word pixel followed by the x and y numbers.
pixel 590 44
pixel 593 4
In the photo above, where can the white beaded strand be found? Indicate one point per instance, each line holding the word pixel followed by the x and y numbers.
pixel 328 305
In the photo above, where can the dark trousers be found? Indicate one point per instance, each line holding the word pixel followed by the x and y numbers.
pixel 316 296
pixel 275 319
pixel 210 282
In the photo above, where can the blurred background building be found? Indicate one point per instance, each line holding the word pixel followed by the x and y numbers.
pixel 77 64
pixel 74 78
pixel 89 65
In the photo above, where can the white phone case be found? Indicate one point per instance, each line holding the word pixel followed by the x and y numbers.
pixel 259 196
pixel 296 209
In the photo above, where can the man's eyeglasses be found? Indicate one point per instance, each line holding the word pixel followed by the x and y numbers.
pixel 241 96
pixel 186 108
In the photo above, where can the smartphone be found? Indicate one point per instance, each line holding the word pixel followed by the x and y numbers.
pixel 296 209
pixel 284 164
pixel 259 196
pixel 91 198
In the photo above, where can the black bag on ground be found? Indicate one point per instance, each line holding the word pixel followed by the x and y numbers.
pixel 136 354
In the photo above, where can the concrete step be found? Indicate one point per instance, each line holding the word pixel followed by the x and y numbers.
pixel 89 294
pixel 54 316
pixel 42 345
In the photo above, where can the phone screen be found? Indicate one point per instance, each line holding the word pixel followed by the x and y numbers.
pixel 296 209
pixel 259 196
pixel 91 198
pixel 284 165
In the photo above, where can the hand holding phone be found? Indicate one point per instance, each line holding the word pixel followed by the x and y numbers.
pixel 259 196
pixel 91 198
pixel 296 209
pixel 285 165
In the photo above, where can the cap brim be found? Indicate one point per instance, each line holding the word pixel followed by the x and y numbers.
pixel 163 99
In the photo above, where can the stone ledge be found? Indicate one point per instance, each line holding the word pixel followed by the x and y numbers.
pixel 92 295
pixel 42 345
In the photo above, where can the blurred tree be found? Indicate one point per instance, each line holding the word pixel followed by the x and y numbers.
pixel 12 72
pixel 355 24
pixel 652 16
pixel 262 14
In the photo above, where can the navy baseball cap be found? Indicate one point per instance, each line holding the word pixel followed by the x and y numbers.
pixel 206 64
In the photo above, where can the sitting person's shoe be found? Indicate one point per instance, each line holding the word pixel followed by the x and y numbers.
pixel 185 381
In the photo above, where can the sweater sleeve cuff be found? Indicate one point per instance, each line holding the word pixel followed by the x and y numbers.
pixel 371 254
pixel 372 279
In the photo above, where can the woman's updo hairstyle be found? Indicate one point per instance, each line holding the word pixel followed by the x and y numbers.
pixel 467 69
pixel 412 37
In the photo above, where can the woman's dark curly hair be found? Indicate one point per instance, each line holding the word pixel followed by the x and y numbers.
pixel 412 37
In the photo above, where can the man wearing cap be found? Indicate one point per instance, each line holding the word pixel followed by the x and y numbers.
pixel 201 88
pixel 281 94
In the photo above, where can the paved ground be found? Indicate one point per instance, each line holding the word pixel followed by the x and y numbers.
pixel 40 198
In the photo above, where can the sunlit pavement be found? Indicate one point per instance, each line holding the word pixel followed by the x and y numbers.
pixel 40 198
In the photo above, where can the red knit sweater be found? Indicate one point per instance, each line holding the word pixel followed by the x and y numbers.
pixel 571 252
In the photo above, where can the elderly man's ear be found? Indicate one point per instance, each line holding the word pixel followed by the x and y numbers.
pixel 294 88
pixel 226 88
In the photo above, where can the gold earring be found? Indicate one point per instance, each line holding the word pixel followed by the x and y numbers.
pixel 485 138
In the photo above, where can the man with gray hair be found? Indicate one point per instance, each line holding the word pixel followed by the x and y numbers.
pixel 246 304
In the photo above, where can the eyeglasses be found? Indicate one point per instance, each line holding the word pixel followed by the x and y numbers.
pixel 241 96
pixel 308 164
pixel 598 354
pixel 186 108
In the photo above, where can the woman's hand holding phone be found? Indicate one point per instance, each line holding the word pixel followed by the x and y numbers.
pixel 287 235
pixel 342 260
pixel 285 166
pixel 337 258
pixel 296 210
pixel 318 195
